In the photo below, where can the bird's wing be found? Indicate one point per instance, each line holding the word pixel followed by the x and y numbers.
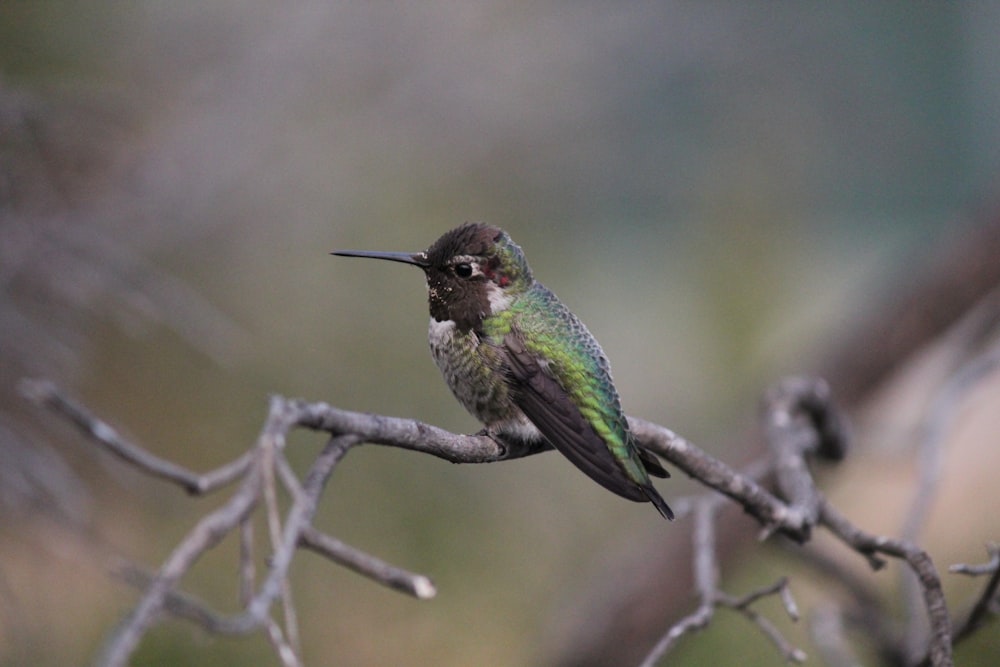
pixel 550 408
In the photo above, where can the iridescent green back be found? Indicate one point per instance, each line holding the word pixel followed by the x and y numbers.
pixel 575 359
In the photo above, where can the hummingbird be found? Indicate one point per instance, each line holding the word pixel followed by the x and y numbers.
pixel 524 365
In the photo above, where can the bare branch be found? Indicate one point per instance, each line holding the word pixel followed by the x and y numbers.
pixel 800 423
pixel 215 526
pixel 755 499
pixel 269 457
pixel 46 394
pixel 986 604
pixel 420 437
pixel 975 360
pixel 405 434
pixel 299 516
pixel 917 559
pixel 416 585
pixel 207 533
pixel 989 567
pixel 780 587
pixel 706 577
pixel 180 604
pixel 865 609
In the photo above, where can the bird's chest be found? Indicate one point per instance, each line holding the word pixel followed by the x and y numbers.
pixel 472 367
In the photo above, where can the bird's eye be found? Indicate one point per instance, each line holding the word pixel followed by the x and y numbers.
pixel 463 270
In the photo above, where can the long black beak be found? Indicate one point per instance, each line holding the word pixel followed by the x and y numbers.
pixel 414 258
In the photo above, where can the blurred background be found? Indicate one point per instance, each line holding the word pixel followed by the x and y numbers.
pixel 719 191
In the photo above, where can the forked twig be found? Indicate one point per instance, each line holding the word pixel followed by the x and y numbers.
pixel 706 577
pixel 987 603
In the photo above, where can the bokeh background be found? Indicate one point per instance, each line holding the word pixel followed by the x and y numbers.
pixel 717 189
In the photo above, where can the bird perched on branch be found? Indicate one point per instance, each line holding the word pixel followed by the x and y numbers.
pixel 521 362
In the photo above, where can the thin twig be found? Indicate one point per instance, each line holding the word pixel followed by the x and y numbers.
pixel 931 455
pixel 984 605
pixel 705 581
pixel 917 559
pixel 867 610
pixel 285 641
pixel 298 517
pixel 46 394
pixel 742 605
pixel 366 565
pixel 706 578
pixel 760 503
pixel 180 604
pixel 273 515
pixel 186 606
pixel 207 533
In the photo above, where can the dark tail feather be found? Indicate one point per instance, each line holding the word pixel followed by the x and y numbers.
pixel 658 502
pixel 651 463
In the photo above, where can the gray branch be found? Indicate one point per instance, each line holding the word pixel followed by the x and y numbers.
pixel 988 602
pixel 800 422
pixel 711 597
